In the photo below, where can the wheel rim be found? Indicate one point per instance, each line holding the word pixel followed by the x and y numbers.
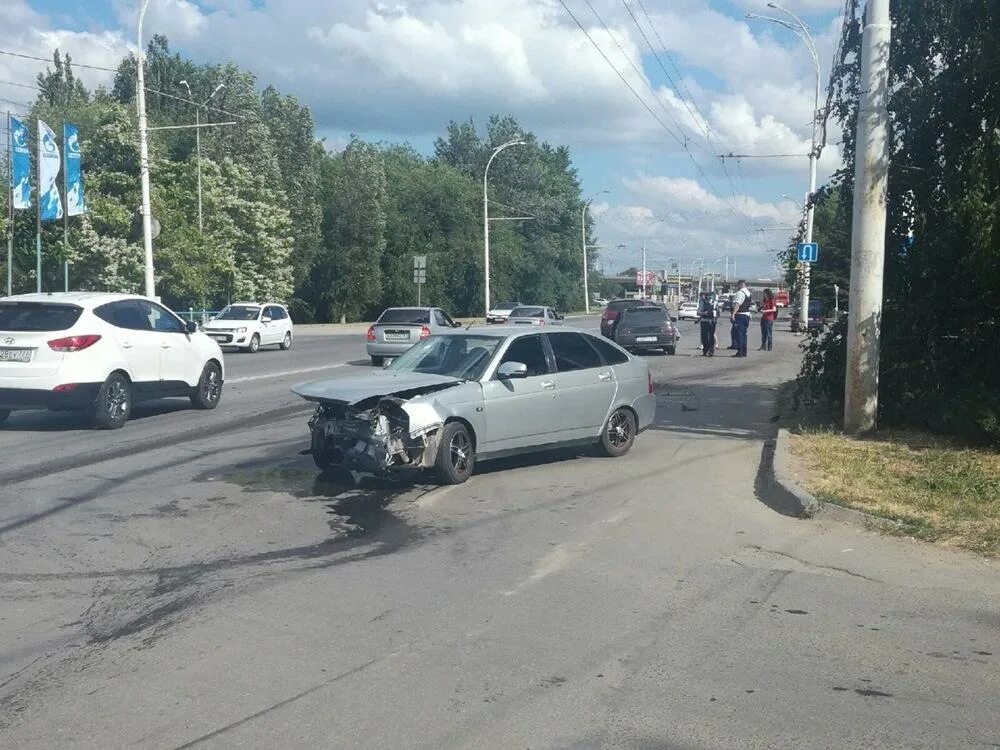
pixel 288 340
pixel 116 399
pixel 460 452
pixel 211 387
pixel 254 343
pixel 619 429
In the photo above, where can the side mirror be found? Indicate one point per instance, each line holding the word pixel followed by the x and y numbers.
pixel 191 326
pixel 559 316
pixel 266 319
pixel 673 318
pixel 455 324
pixel 511 370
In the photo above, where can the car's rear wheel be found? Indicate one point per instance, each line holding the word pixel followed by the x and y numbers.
pixel 209 389
pixel 113 406
pixel 671 350
pixel 286 343
pixel 4 413
pixel 254 346
pixel 619 433
pixel 377 361
pixel 456 455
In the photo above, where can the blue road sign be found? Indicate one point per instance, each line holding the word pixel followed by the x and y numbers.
pixel 808 252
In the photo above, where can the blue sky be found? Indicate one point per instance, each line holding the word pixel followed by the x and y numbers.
pixel 399 70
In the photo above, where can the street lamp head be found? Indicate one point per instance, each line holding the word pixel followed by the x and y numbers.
pixel 772 5
pixel 218 89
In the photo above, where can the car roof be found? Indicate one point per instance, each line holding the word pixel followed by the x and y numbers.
pixel 503 332
pixel 81 299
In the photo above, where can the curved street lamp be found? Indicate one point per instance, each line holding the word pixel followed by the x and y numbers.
pixel 583 233
pixel 486 216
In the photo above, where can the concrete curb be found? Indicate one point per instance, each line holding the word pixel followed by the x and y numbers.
pixel 784 493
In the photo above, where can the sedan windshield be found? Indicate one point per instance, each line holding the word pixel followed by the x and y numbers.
pixel 459 356
pixel 413 316
pixel 528 312
pixel 239 312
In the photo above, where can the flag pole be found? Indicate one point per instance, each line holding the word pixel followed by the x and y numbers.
pixel 38 210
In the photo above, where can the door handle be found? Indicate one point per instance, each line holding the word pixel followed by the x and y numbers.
pixel 548 385
pixel 604 376
pixel 126 345
pixel 164 346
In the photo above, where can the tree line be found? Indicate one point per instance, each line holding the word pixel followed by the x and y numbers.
pixel 940 326
pixel 330 233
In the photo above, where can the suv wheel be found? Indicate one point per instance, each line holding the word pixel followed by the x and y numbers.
pixel 208 392
pixel 286 343
pixel 113 406
pixel 254 346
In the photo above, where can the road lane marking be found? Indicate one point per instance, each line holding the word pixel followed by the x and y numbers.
pixel 285 373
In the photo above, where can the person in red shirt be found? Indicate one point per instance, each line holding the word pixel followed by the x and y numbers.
pixel 768 312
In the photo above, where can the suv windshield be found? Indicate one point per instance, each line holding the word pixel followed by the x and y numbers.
pixel 414 316
pixel 528 312
pixel 37 316
pixel 459 356
pixel 239 312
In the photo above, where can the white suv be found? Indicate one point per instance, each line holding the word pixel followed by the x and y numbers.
pixel 249 326
pixel 101 353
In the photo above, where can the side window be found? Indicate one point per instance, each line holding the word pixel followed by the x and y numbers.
pixel 159 318
pixel 529 351
pixel 440 318
pixel 124 314
pixel 573 352
pixel 447 320
pixel 268 312
pixel 279 313
pixel 612 354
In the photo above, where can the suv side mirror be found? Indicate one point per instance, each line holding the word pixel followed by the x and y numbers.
pixel 265 319
pixel 191 326
pixel 456 324
pixel 511 370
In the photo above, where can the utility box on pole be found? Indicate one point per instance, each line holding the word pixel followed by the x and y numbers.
pixel 419 273
pixel 871 175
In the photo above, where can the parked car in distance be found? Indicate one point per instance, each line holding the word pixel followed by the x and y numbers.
pixel 646 327
pixel 249 326
pixel 687 311
pixel 781 298
pixel 601 301
pixel 817 316
pixel 500 312
pixel 460 397
pixel 534 315
pixel 101 353
pixel 399 328
pixel 609 317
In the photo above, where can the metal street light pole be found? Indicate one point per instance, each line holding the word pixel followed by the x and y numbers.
pixel 486 216
pixel 197 138
pixel 140 100
pixel 583 244
pixel 801 30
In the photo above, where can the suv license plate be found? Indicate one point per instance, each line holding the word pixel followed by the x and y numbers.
pixel 15 355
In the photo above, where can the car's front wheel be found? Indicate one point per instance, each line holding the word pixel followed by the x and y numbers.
pixel 209 390
pixel 254 346
pixel 671 350
pixel 619 433
pixel 113 406
pixel 456 455
pixel 286 343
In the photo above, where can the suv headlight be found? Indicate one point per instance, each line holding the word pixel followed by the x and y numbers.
pixel 241 330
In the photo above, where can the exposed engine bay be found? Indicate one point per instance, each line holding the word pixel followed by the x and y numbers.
pixel 378 434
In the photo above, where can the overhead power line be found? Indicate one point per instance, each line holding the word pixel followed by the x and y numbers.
pixel 48 60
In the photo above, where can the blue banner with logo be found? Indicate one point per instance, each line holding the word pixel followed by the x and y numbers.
pixel 20 164
pixel 75 203
pixel 49 202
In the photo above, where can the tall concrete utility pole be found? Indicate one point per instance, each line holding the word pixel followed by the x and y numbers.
pixel 871 175
pixel 486 220
pixel 140 101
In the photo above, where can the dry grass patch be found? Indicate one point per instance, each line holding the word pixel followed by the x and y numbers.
pixel 934 490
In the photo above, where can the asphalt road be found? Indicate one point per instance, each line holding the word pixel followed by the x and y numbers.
pixel 190 581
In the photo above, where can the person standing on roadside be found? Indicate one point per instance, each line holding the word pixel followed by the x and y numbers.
pixel 741 317
pixel 768 312
pixel 708 315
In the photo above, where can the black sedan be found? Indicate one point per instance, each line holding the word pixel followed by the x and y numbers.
pixel 646 327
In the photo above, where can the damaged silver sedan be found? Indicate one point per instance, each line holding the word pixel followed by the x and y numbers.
pixel 471 395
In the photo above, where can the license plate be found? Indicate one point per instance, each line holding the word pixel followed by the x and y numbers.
pixel 397 335
pixel 218 336
pixel 15 355
pixel 645 339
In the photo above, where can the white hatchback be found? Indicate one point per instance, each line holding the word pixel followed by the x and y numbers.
pixel 249 326
pixel 101 353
